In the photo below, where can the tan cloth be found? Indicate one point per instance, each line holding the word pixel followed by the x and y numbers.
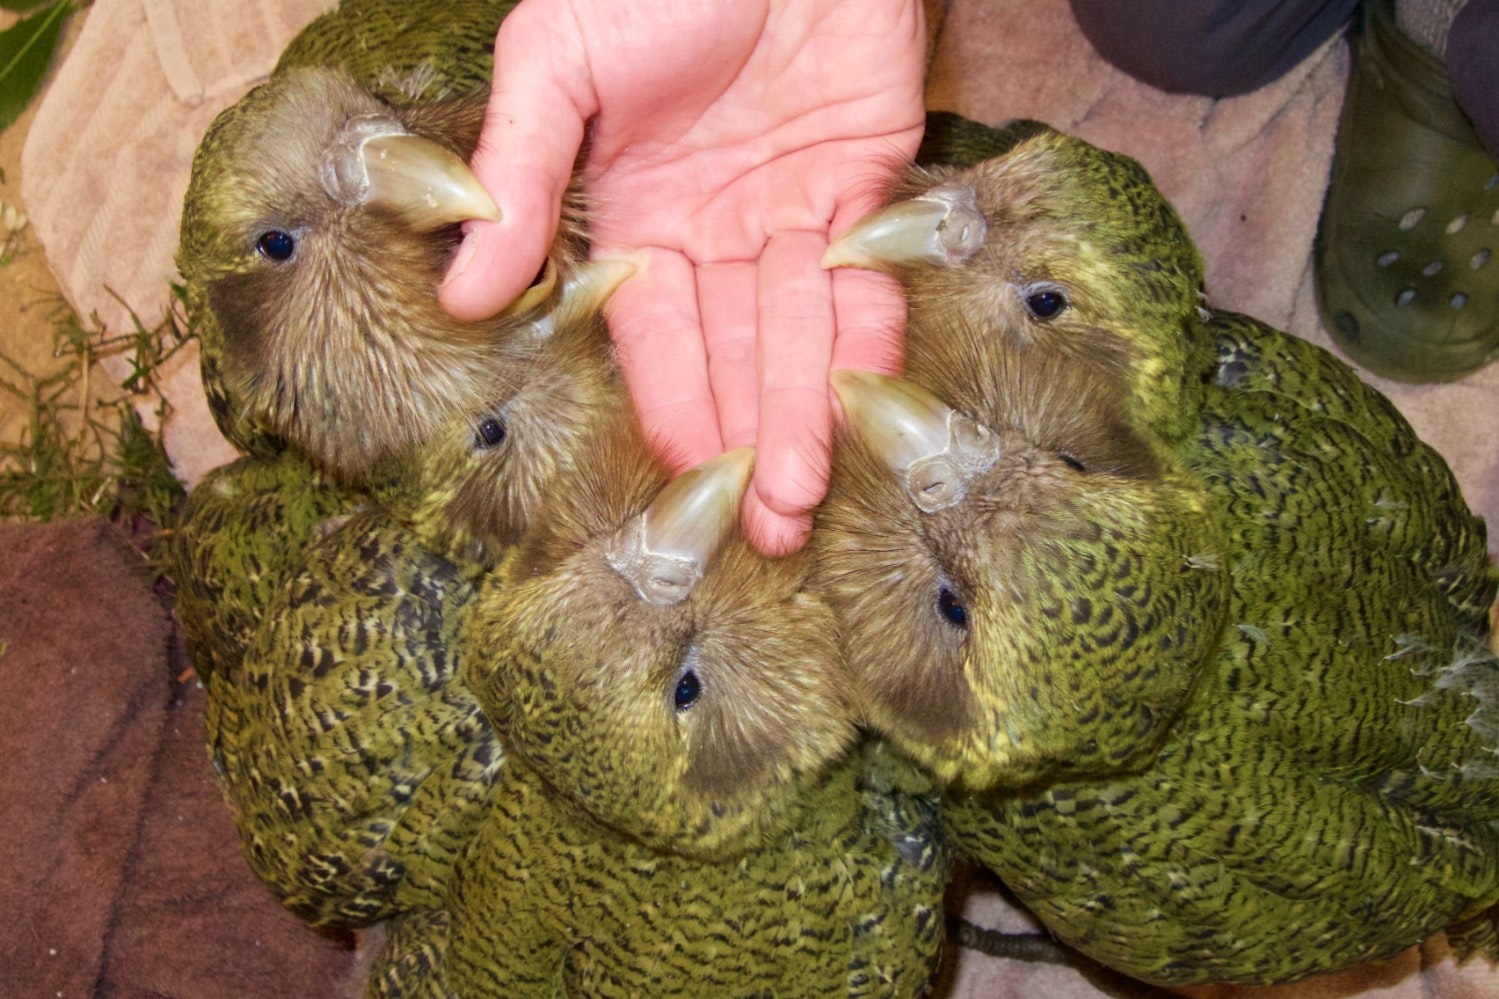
pixel 107 160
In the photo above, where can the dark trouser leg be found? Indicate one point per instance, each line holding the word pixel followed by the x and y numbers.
pixel 1217 48
pixel 1473 64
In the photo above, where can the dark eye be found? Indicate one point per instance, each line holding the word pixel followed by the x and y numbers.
pixel 688 689
pixel 276 245
pixel 951 608
pixel 1071 462
pixel 491 433
pixel 1045 303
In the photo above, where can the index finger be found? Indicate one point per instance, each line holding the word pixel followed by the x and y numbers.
pixel 539 105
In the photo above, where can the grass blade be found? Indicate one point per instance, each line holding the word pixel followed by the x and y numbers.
pixel 26 49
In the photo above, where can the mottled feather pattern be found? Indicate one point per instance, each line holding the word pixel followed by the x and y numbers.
pixel 1302 789
pixel 1426 521
pixel 408 964
pixel 547 906
pixel 354 757
pixel 1080 558
pixel 350 750
pixel 232 543
pixel 1326 792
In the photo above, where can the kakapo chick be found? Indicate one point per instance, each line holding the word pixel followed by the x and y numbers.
pixel 317 226
pixel 681 814
pixel 348 746
pixel 254 193
pixel 1204 619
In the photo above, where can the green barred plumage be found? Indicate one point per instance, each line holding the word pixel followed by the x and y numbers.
pixel 346 742
pixel 352 753
pixel 637 846
pixel 241 532
pixel 845 900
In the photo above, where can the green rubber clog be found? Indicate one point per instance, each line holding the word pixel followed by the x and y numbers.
pixel 1405 261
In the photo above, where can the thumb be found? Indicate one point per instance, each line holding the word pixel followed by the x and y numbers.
pixel 539 105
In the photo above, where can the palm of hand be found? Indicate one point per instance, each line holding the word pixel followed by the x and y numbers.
pixel 730 142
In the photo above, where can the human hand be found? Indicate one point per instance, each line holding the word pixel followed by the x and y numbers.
pixel 730 139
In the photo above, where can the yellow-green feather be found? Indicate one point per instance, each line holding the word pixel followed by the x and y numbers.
pixel 352 754
pixel 235 539
pixel 1327 792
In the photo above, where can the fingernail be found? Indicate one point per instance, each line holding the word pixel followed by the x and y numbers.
pixel 461 260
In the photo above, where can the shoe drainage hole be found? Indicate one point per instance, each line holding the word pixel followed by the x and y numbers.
pixel 1345 324
pixel 1433 269
pixel 1479 259
pixel 1456 225
pixel 1406 296
pixel 1387 258
pixel 1413 218
pixel 1458 300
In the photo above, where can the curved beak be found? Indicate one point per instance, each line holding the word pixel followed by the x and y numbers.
pixel 665 550
pixel 537 293
pixel 375 163
pixel 941 228
pixel 934 450
pixel 585 291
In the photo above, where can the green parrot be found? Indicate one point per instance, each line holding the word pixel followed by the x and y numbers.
pixel 351 751
pixel 1187 621
pixel 347 744
pixel 681 813
pixel 351 302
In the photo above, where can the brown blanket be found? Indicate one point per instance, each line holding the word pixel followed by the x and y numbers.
pixel 119 865
pixel 118 858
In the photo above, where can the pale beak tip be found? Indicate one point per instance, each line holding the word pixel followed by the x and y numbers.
pixel 846 383
pixel 490 213
pixel 841 254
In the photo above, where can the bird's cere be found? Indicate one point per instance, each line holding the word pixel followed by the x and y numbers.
pixel 664 550
pixel 942 228
pixel 932 448
pixel 373 161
